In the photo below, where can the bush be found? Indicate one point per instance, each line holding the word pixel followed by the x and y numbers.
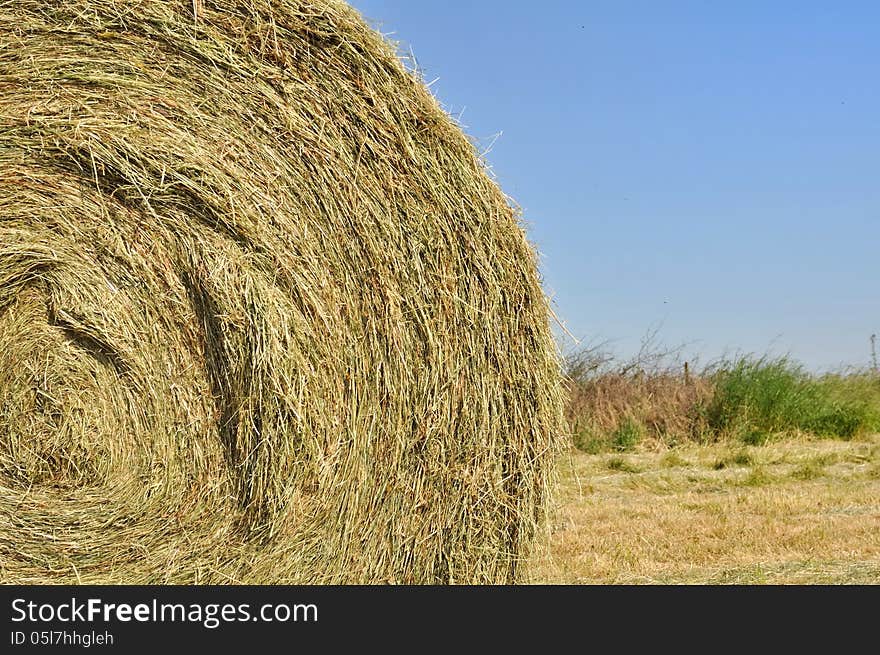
pixel 755 398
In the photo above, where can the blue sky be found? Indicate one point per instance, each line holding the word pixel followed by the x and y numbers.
pixel 708 169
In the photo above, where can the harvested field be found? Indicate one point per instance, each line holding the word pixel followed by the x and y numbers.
pixel 795 511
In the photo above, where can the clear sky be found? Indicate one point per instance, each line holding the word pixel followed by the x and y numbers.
pixel 708 168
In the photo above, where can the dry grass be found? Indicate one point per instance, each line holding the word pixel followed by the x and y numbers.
pixel 793 511
pixel 263 315
pixel 656 400
pixel 662 404
pixel 654 395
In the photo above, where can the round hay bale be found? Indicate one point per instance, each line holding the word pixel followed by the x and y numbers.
pixel 263 316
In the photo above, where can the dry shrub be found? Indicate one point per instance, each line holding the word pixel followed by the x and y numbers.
pixel 664 404
pixel 263 315
pixel 651 394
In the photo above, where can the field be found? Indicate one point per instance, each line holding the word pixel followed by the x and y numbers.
pixel 750 472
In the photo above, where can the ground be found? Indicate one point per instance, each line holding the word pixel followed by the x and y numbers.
pixel 799 511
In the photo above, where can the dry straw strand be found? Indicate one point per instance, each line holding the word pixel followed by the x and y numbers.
pixel 263 315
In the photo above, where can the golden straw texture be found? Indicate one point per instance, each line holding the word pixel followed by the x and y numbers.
pixel 264 318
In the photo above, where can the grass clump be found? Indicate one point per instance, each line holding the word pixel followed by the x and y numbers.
pixel 622 465
pixel 758 476
pixel 591 442
pixel 627 435
pixel 624 438
pixel 673 460
pixel 740 458
pixel 807 471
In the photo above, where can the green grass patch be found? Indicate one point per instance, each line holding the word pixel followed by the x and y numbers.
pixel 757 477
pixel 808 471
pixel 740 458
pixel 673 460
pixel 591 442
pixel 755 398
pixel 623 439
pixel 628 435
pixel 622 465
